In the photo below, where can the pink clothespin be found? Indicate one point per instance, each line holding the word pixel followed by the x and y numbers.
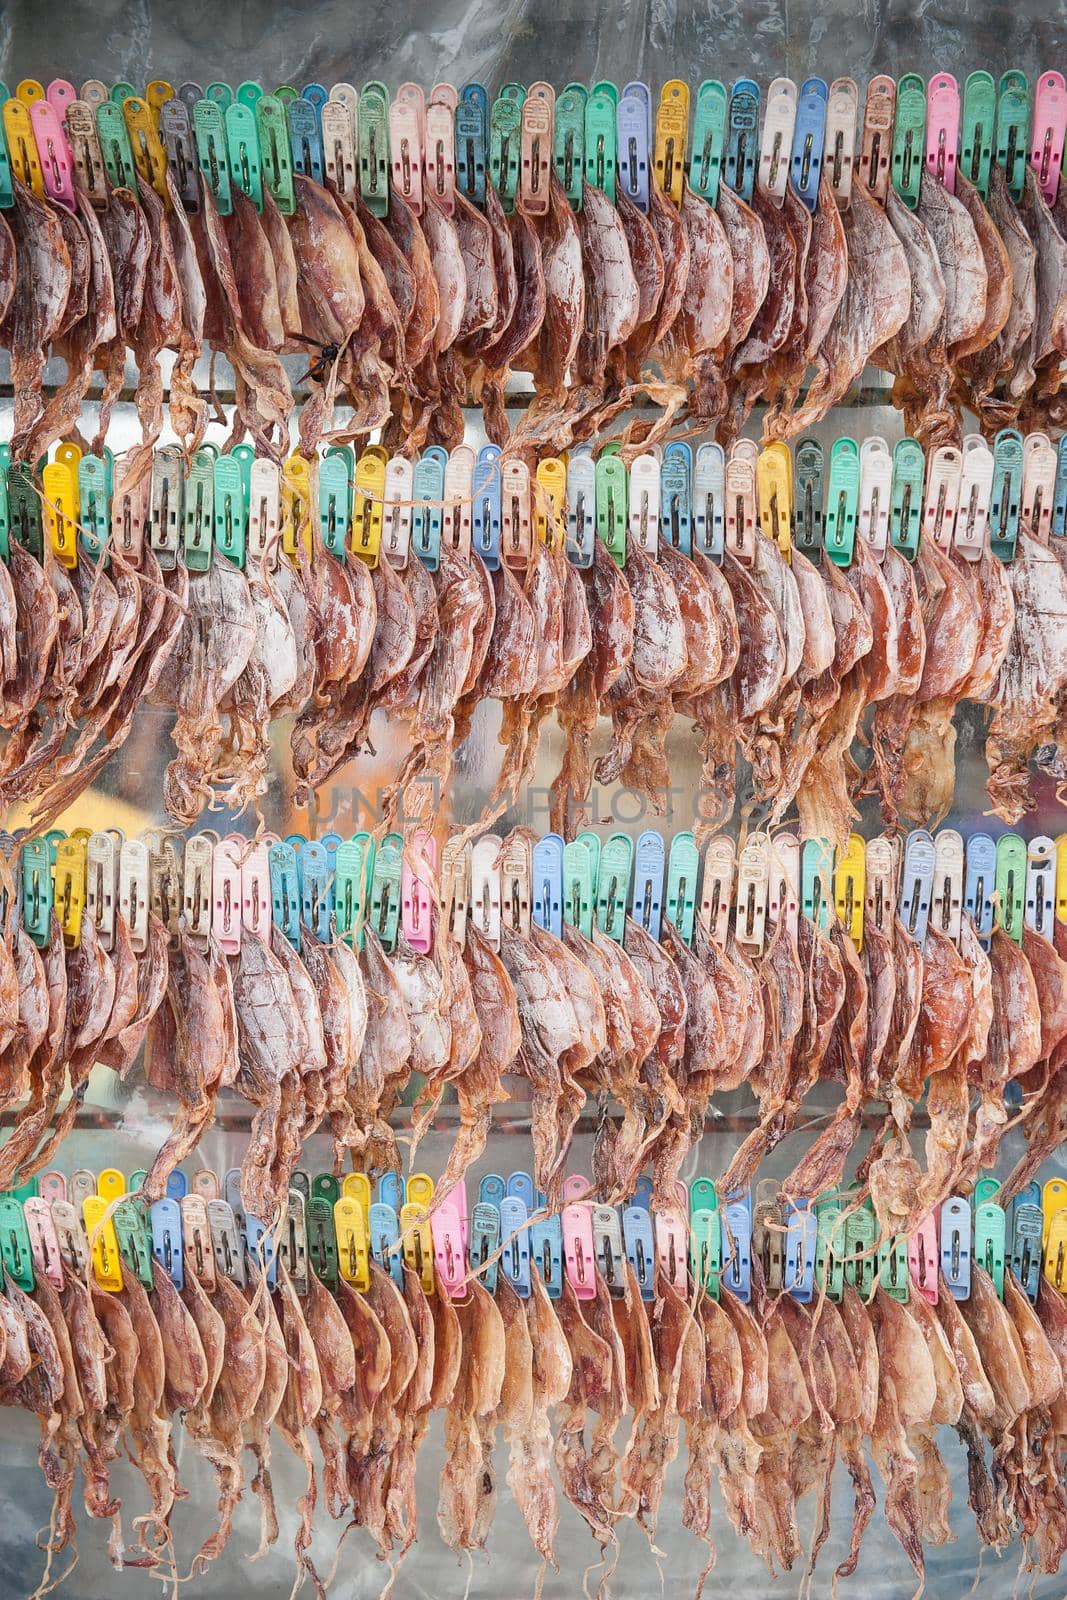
pixel 407 132
pixel 672 1250
pixel 943 128
pixel 538 119
pixel 923 1258
pixel 579 1250
pixel 783 898
pixel 52 1186
pixel 449 1255
pixel 942 495
pixel 59 95
pixel 1050 126
pixel 226 896
pixel 441 146
pixel 1040 461
pixel 416 899
pixel 44 1240
pixel 255 891
pixel 54 151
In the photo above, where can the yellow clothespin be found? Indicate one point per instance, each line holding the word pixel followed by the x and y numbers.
pixel 1056 1252
pixel 417 1241
pixel 70 874
pixel 1061 878
pixel 368 511
pixel 148 155
pixel 774 477
pixel 1053 1201
pixel 850 887
pixel 61 512
pixel 107 1263
pixel 22 146
pixel 356 1186
pixel 110 1184
pixel 296 505
pixel 672 128
pixel 552 478
pixel 157 93
pixel 28 91
pixel 352 1257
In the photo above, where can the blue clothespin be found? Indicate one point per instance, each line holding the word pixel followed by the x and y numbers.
pixel 520 1186
pixel 285 891
pixel 633 121
pixel 642 1195
pixel 391 1191
pixel 917 883
pixel 231 1193
pixel 428 483
pixel 648 882
pixel 546 1246
pixel 640 1248
pixel 809 138
pixel 676 497
pixel 485 1238
pixel 709 501
pixel 516 1234
pixel 166 1217
pixel 1027 1222
pixel 1005 499
pixel 742 139
pixel 486 506
pixel 384 1233
pixel 262 1249
pixel 683 873
pixel 492 1189
pixel 956 1247
pixel 801 1248
pixel 547 861
pixel 305 137
pixel 472 122
pixel 737 1247
pixel 1059 503
pixel 980 884
pixel 317 95
pixel 177 1185
pixel 316 889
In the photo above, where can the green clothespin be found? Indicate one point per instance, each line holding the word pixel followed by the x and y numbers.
pixel 601 138
pixel 817 881
pixel 683 871
pixel 285 92
pixel 579 886
pixel 37 890
pixel 570 141
pixel 830 1246
pixel 24 509
pixel 861 1231
pixel 198 533
pixel 15 1245
pixel 25 1191
pixel 1013 130
pixel 242 147
pixel 134 1239
pixel 322 1240
pixel 353 874
pixel 335 501
pixel 249 94
pixel 505 142
pixel 230 509
pixel 709 140
pixel 990 1241
pixel 842 502
pixel 374 148
pixel 94 505
pixel 385 890
pixel 985 1189
pixel 906 515
pixel 276 156
pixel 221 94
pixel 324 1186
pixel 808 498
pixel 121 92
pixel 210 132
pixel 613 885
pixel 5 512
pixel 977 129
pixel 909 127
pixel 1011 885
pixel 115 146
pixel 612 504
pixel 591 841
pixel 894 1274
pixel 705 1236
pixel 136 1179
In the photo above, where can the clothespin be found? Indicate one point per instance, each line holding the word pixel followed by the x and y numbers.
pixel 612 485
pixel 1055 1251
pixel 1061 878
pixel 976 130
pixel 1050 125
pixel 946 900
pixel 305 140
pixel 440 151
pixel 740 502
pixel 608 1248
pixel 455 889
pixel 285 891
pixel 515 885
pixel 709 501
pixel 671 1249
pixel 37 890
pixel 472 125
pixel 709 140
pixel 1026 1231
pixel 295 507
pixel 397 511
pixel 374 147
pixel 808 494
pixel 581 508
pixel 842 502
pixel 878 121
pixel 675 497
pixel 316 889
pixel 736 1247
pixel 53 152
pixel 613 885
pixel 1040 464
pixel 923 1256
pixel 569 141
pixel 648 882
pixel 774 475
pixel 167 514
pixel 801 1248
pixel 322 1240
pixel 486 887
pixel 908 129
pixel 179 143
pixel 876 494
pixel 640 1248
pixel 15 1248
pixel 516 530
pixel 386 889
pixel 355 1186
pixel 230 511
pixel 7 192
pixel 339 118
pixel 705 1236
pixel 197 887
pixel 130 509
pixel 334 499
pixel 600 138
pixel 1039 912
pixel 552 483
pixel 808 140
pixel 197 1249
pixel 368 508
pixel 783 890
pixel 742 145
pixel 536 148
pixel 1005 502
pixel 633 122
pixel 829 1274
pixel 505 142
pixel 817 881
pixel 861 1234
pixel 752 889
pixel 777 140
pixel 717 889
pixel 849 887
pixel 548 883
pixel 486 508
pixel 70 887
pixel 428 483
pixel 683 870
pixel 149 157
pixel 917 883
pixel 579 1254
pixel 842 113
pixel 485 1241
pixel 1013 129
pixel 1059 510
pixel 579 886
pixel 768 1235
pixel 672 126
pixel 167 1247
pixel 24 508
pixel 45 1253
pixel 384 1236
pixel 1053 1200
pixel 1011 884
pixel 978 894
pixel 209 129
pixel 990 1240
pixel 956 1236
pixel 166 880
pixel 894 1274
pixel 407 132
pixel 546 1248
pixel 25 162
pixel 942 128
pixel 61 511
pixel 976 487
pixel 515 1235
pixel 416 897
pixel 199 525
pixel 102 884
pixel 351 1230
pixel 52 1185
pixel 644 499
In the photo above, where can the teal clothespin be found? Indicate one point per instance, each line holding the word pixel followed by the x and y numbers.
pixel 374 148
pixel 861 1232
pixel 830 1246
pixel 990 1240
pixel 613 885
pixel 1011 885
pixel 121 92
pixel 977 130
pixel 579 886
pixel 709 140
pixel 230 509
pixel 601 138
pixel 199 512
pixel 37 890
pixel 705 1236
pixel 569 149
pixel 352 875
pixel 816 881
pixel 249 93
pixel 335 500
pixel 906 514
pixel 276 157
pixel 1013 130
pixel 505 142
pixel 894 1273
pixel 134 1239
pixel 210 130
pixel 842 502
pixel 909 148
pixel 385 890
pixel 5 509
pixel 15 1245
pixel 683 870
pixel 242 147
pixel 1005 498
pixel 94 505
pixel 220 94
pixel 115 146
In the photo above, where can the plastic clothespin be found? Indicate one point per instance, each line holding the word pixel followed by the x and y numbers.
pixel 206 1184
pixel 179 143
pixel 672 127
pixel 1040 906
pixel 1026 1232
pixel 876 494
pixel 384 1236
pixel 709 140
pixel 777 139
pixel 1040 466
pixel 16 1251
pixel 374 147
pixel 61 511
pixel 842 114
pixel 485 890
pixel 817 881
pixel 676 522
pixel 1011 885
pixel 774 476
pixel 166 1221
pixel 486 507
pixel 338 125
pixel 547 859
pixel 1047 136
pixel 640 1248
pixel 752 892
pixel 515 1237
pixel 946 899
pixel 516 513
pixel 1059 510
pixel 683 871
pixel 1013 130
pixel 768 1234
pixel 879 115
pixel 53 152
pixel 368 508
pixel 976 487
pixel 550 503
pixel 1053 1201
pixel 672 1252
pixel 199 521
pixel 989 1247
pixel 861 1234
pixel 407 133
pixel 633 121
pixel 581 508
pixel 23 157
pixel 322 1240
pixel 52 1185
pixel 842 501
pixel 385 893
pixel 536 148
pixel 601 155
pixel 894 1273
pixel 305 139
pixel 149 156
pixel 612 486
pixel 226 896
pixel 909 125
pixel 956 1235
pixel 644 504
pixel 909 471
pixel 801 1249
pixel 649 860
pixel 808 498
pixel 740 507
pixel 850 887
pixel 783 888
pixel 428 483
pixel 717 889
pixel 736 1231
pixel 167 505
pixel 709 501
pixel 979 884
pixel 353 1251
pixel 613 885
pixel 579 886
pixel 316 889
pixel 546 1249
pixel 70 887
pixel 177 1185
pixel 397 512
pixel 209 128
pixel 923 1256
pixel 43 1240
pixel 334 499
pixel 579 1254
pixel 102 884
pixel 455 889
pixel 505 142
pixel 808 140
pixel 642 1195
pixel 1061 878
pixel 471 133
pixel 742 143
pixel 515 886
pixel 1005 502
pixel 943 128
pixel 976 130
pixel 198 1250
pixel 37 890
pixel 917 883
pixel 416 897
pixel 608 1248
pixel 705 1236
pixel 285 891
